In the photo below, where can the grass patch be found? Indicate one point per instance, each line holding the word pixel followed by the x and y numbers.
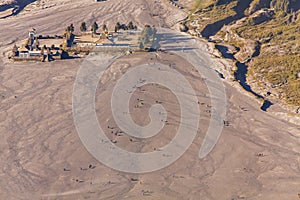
pixel 279 59
pixel 207 12
pixel 278 62
pixel 201 4
pixel 281 73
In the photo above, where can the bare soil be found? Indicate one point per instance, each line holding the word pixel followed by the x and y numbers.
pixel 42 157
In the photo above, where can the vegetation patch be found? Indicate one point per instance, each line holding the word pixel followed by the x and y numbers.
pixel 273 26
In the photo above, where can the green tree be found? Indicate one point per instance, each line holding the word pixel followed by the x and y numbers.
pixel 148 39
pixel 94 27
pixel 83 27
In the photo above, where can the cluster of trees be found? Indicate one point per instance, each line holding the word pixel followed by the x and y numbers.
pixel 94 27
pixel 130 26
pixel 32 44
pixel 149 39
pixel 69 34
pixel 83 28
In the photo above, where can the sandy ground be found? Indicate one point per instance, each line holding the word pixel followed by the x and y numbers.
pixel 42 157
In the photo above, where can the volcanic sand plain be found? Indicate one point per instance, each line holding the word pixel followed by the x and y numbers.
pixel 42 157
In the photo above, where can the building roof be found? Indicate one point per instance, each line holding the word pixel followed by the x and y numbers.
pixel 104 41
pixel 34 52
pixel 87 38
pixel 23 49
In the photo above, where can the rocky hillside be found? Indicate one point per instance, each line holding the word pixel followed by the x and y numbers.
pixel 262 37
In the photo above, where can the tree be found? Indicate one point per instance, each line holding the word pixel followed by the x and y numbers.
pixel 130 25
pixel 155 40
pixel 83 27
pixel 15 50
pixel 94 27
pixel 148 39
pixel 70 29
pixel 104 28
pixel 117 27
